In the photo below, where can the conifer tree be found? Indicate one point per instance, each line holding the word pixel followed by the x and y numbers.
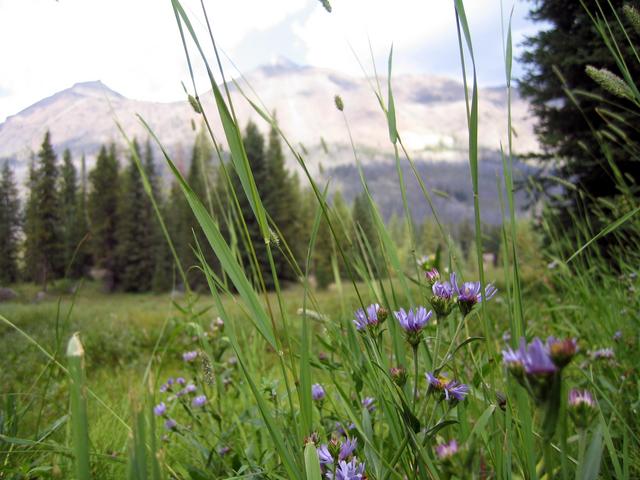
pixel 136 255
pixel 9 226
pixel 103 212
pixel 364 226
pixel 73 219
pixel 30 225
pixel 279 195
pixel 254 147
pixel 46 244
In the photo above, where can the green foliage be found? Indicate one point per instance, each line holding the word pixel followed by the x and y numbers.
pixel 9 226
pixel 103 213
pixel 45 243
pixel 562 62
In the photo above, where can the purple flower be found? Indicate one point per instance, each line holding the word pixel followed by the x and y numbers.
pixel 180 381
pixel 452 390
pixel 324 457
pixel 190 388
pixel 442 299
pixel 170 424
pixel 455 391
pixel 190 356
pixel 413 320
pixel 347 448
pixel 369 403
pixel 581 407
pixel 617 336
pixel 317 392
pixel 222 451
pixel 534 362
pixel 469 293
pixel 367 319
pixel 579 397
pixel 160 409
pixel 341 430
pixel 352 470
pixel 445 451
pixel 199 401
pixel 167 386
pixel 432 276
pixel 603 354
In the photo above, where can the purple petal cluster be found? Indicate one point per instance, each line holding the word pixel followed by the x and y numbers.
pixel 369 403
pixel 160 409
pixel 451 390
pixel 580 397
pixel 581 407
pixel 367 319
pixel 445 451
pixel 199 401
pixel 413 320
pixel 603 354
pixel 317 392
pixel 353 470
pixel 189 356
pixel 533 359
pixel 469 293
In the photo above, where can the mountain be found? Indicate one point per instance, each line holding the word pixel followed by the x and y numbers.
pixel 431 118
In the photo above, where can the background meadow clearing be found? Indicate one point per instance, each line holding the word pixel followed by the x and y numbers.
pixel 285 385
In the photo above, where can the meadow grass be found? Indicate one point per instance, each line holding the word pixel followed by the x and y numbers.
pixel 286 385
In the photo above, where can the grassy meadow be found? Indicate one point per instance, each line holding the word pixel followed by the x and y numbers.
pixel 399 370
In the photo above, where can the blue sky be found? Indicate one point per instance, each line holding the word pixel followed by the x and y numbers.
pixel 133 45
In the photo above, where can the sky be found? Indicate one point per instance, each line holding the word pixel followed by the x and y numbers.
pixel 134 47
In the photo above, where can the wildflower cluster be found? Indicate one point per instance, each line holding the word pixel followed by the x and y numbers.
pixel 445 295
pixel 537 365
pixel 338 461
pixel 370 318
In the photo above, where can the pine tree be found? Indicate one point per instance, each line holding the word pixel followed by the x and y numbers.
pixel 31 224
pixel 365 230
pixel 9 226
pixel 254 147
pixel 279 196
pixel 136 252
pixel 567 44
pixel 73 220
pixel 46 244
pixel 103 211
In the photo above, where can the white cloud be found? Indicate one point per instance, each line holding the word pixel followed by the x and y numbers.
pixel 133 45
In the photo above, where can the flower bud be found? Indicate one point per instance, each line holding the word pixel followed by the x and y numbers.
pixel 339 104
pixel 562 351
pixel 398 375
pixel 582 407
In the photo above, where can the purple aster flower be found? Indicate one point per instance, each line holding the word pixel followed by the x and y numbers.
pixel 367 319
pixel 167 386
pixel 190 388
pixel 413 322
pixel 347 448
pixel 581 407
pixel 603 354
pixel 436 383
pixel 455 391
pixel 324 457
pixel 442 299
pixel 222 451
pixel 199 401
pixel 469 293
pixel 369 403
pixel 352 470
pixel 432 276
pixel 617 336
pixel 160 409
pixel 445 451
pixel 189 356
pixel 170 424
pixel 180 381
pixel 536 358
pixel 341 430
pixel 317 392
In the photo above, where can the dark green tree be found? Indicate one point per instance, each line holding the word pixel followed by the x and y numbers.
pixel 254 147
pixel 30 224
pixel 73 220
pixel 9 226
pixel 571 135
pixel 365 231
pixel 136 225
pixel 46 244
pixel 103 213
pixel 280 196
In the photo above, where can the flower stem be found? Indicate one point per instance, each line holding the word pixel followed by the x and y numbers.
pixel 415 374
